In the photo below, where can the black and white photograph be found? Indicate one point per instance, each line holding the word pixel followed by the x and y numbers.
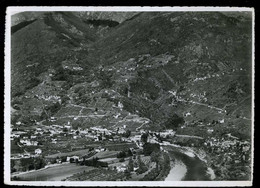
pixel 148 96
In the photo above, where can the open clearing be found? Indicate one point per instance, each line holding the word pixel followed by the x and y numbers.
pixel 56 173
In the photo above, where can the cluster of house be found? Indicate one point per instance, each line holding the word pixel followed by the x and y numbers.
pixel 152 137
pixel 48 98
pixel 37 153
pixel 234 149
pixel 59 133
pixel 55 133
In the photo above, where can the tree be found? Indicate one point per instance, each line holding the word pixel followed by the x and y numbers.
pixel 54 108
pixel 129 152
pixel 148 148
pixel 64 99
pixel 27 164
pixel 39 163
pixel 105 78
pixel 121 154
pixel 63 159
pixel 95 161
pixel 131 164
pixel 12 166
pixel 127 134
pixel 174 122
pixel 142 168
pixel 127 173
pixel 144 137
pixel 155 157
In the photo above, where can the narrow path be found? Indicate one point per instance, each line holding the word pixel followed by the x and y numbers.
pixel 168 76
pixel 86 116
pixel 138 128
pixel 198 103
pixel 188 136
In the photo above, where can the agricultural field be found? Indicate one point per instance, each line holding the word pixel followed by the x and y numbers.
pixel 97 174
pixel 110 160
pixel 121 146
pixel 105 154
pixel 56 173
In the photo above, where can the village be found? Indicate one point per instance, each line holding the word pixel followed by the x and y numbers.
pixel 43 141
pixel 112 148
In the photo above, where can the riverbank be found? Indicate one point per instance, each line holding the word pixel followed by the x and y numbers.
pixel 197 169
pixel 201 154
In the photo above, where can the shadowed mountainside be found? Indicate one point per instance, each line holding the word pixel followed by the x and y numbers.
pixel 173 68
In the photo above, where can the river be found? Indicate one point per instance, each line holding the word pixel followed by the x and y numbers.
pixel 186 167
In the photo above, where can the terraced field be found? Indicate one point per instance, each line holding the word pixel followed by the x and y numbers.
pixel 119 147
pixel 98 174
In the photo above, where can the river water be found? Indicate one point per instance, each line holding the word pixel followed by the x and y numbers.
pixel 177 172
pixel 186 167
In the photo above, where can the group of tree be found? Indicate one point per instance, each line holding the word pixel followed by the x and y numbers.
pixel 126 134
pixel 62 159
pixel 94 162
pixel 123 154
pixel 32 163
pixel 32 83
pixel 162 169
pixel 52 109
pixel 149 148
pixel 139 163
pixel 141 166
pixel 105 78
pixel 174 121
pixel 144 137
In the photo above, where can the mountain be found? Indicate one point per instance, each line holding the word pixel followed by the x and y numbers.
pixel 166 69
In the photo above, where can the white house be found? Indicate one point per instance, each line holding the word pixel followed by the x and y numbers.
pixel 72 157
pixel 120 105
pixel 67 126
pixel 53 140
pixel 99 149
pixel 121 168
pixel 13 135
pixel 38 151
pixel 221 121
pixel 28 142
pixel 18 123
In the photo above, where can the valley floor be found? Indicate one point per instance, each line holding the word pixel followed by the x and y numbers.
pixel 56 173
